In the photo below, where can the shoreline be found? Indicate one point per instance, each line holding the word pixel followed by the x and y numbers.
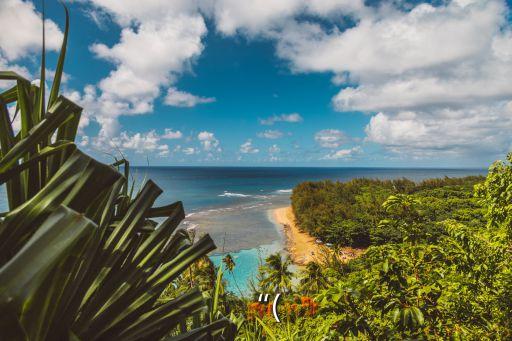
pixel 301 246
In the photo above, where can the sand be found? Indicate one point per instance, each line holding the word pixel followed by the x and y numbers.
pixel 302 247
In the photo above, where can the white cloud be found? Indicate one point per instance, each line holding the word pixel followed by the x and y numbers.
pixel 437 74
pixel 169 134
pixel 253 16
pixel 263 17
pixel 50 74
pixel 422 69
pixel 179 98
pixel 291 118
pixel 25 39
pixel 208 141
pixel 330 138
pixel 105 111
pixel 431 49
pixel 481 130
pixel 139 143
pixel 190 151
pixel 163 150
pixel 21 70
pixel 346 154
pixel 25 35
pixel 98 17
pixel 270 134
pixel 150 57
pixel 84 142
pixel 129 12
pixel 274 149
pixel 159 41
pixel 248 148
pixel 425 37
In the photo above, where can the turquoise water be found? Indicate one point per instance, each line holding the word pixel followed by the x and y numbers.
pixel 232 203
pixel 246 265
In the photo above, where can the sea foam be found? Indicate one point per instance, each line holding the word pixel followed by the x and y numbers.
pixel 284 190
pixel 231 194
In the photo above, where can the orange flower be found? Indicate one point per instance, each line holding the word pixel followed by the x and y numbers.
pixel 269 309
pixel 303 300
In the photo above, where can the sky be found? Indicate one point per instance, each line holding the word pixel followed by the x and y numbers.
pixel 338 83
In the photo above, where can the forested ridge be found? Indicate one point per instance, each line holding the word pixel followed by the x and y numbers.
pixel 349 213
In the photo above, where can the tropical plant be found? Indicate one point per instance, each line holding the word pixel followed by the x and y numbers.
pixel 230 264
pixel 404 216
pixel 277 275
pixel 312 278
pixel 456 285
pixel 496 194
pixel 81 255
pixel 348 213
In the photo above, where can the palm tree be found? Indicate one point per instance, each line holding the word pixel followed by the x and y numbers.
pixel 312 278
pixel 277 275
pixel 229 262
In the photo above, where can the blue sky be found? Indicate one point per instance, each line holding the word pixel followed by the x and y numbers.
pixel 281 83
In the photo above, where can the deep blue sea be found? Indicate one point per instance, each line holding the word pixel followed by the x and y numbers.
pixel 232 203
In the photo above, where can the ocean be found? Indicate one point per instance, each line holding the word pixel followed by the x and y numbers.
pixel 232 203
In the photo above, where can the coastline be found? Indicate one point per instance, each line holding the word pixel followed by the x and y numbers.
pixel 301 246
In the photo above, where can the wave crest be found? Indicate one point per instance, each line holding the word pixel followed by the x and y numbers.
pixel 284 190
pixel 231 194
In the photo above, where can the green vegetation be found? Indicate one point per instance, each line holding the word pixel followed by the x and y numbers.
pixel 350 213
pixel 82 256
pixel 441 268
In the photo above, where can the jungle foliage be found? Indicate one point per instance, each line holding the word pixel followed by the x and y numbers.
pixel 350 213
pixel 456 285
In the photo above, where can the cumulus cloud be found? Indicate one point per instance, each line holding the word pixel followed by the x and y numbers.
pixel 159 41
pixel 291 118
pixel 169 134
pixel 179 98
pixel 345 154
pixel 481 130
pixel 270 134
pixel 25 36
pixel 330 138
pixel 454 32
pixel 25 40
pixel 248 148
pixel 418 68
pixel 140 143
pixel 418 71
pixel 134 11
pixel 171 42
pixel 208 141
pixel 264 17
pixel 6 65
pixel 190 151
pixel 84 142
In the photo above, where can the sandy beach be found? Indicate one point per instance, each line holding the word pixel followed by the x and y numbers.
pixel 301 246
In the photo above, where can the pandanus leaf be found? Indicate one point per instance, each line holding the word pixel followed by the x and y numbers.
pixel 80 257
